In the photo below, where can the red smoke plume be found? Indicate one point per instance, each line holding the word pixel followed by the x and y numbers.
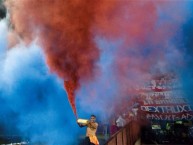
pixel 70 89
pixel 66 29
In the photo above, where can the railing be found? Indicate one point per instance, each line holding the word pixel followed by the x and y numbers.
pixel 128 135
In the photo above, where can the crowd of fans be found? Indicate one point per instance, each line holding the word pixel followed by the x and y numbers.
pixel 166 87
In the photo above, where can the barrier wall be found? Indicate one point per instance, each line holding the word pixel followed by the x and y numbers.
pixel 128 135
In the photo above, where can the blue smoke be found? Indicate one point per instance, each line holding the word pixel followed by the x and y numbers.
pixel 33 101
pixel 95 96
pixel 186 71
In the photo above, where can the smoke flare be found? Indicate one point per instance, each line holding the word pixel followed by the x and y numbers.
pixel 64 30
pixel 69 86
pixel 67 30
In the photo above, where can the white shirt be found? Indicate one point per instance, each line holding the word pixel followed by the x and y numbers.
pixel 120 122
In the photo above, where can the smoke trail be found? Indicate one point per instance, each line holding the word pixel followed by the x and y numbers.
pixel 68 37
pixel 64 29
pixel 145 36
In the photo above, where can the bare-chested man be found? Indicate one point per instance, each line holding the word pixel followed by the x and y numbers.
pixel 92 125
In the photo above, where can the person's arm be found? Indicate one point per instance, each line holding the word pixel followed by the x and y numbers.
pixel 81 125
